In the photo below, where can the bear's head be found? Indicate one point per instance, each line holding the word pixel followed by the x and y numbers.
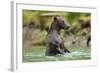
pixel 60 23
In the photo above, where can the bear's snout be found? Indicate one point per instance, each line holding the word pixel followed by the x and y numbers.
pixel 67 27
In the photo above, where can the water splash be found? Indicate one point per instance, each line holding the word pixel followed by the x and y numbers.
pixel 74 55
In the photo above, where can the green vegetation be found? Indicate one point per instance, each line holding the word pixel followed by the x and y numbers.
pixel 35 28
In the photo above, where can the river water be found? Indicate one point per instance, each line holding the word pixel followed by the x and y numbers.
pixel 37 55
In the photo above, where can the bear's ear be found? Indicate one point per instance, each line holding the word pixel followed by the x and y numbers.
pixel 55 18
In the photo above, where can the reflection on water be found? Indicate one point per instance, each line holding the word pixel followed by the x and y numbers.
pixel 80 54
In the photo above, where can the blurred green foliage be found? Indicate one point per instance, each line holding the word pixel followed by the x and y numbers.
pixel 42 21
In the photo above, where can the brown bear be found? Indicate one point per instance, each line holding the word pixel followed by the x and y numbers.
pixel 54 42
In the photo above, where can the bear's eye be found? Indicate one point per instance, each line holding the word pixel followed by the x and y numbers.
pixel 62 22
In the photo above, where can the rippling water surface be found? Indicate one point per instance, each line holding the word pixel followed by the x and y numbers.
pixel 36 54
